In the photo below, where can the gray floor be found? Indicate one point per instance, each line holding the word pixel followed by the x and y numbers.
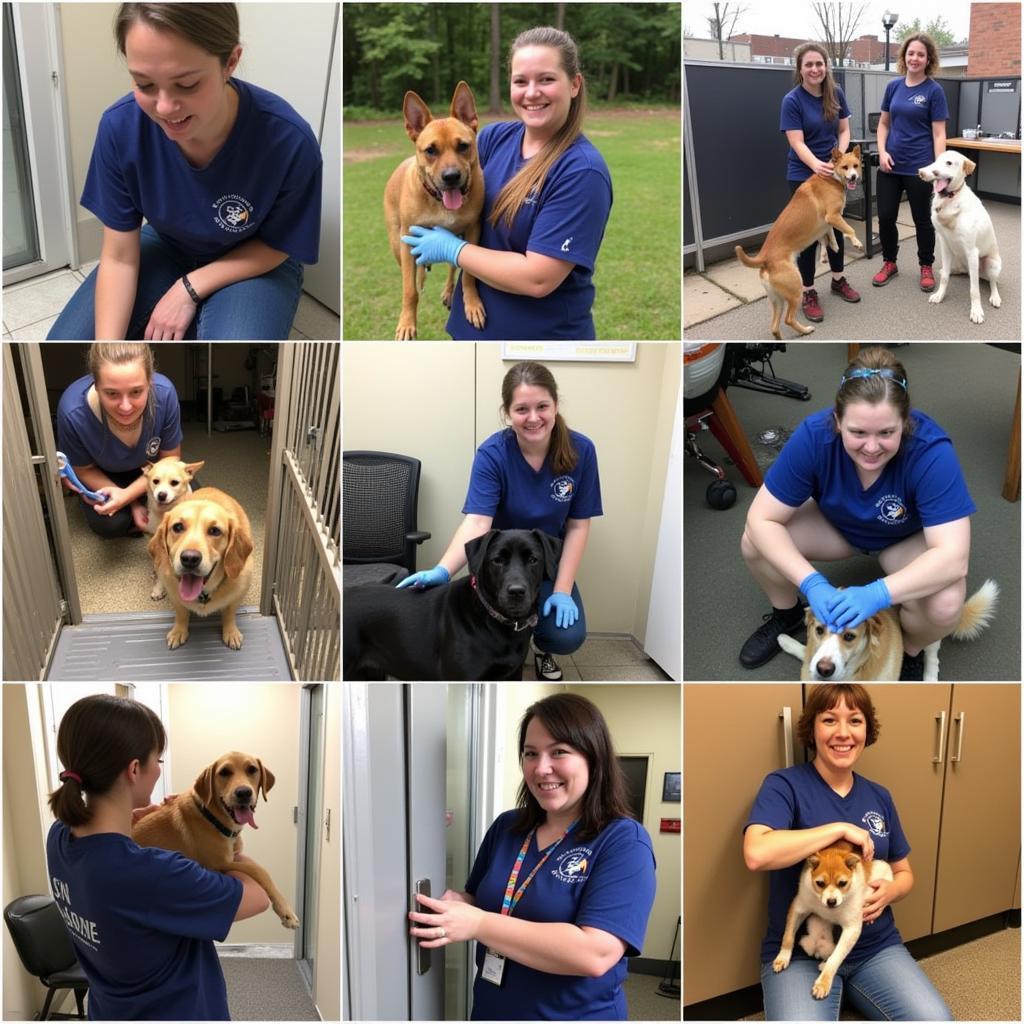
pixel 604 660
pixel 270 989
pixel 967 388
pixel 643 1001
pixel 898 311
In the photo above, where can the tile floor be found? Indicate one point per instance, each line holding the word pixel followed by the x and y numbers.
pixel 31 307
pixel 603 660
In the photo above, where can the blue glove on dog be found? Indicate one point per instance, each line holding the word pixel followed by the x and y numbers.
pixel 434 245
pixel 566 612
pixel 852 606
pixel 819 593
pixel 426 578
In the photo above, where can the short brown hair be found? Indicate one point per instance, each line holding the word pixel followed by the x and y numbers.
pixel 211 27
pixel 830 695
pixel 929 44
pixel 876 388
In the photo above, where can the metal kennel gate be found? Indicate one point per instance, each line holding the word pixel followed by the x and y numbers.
pixel 301 585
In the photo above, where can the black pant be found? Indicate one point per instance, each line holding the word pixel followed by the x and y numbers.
pixel 889 189
pixel 121 523
pixel 805 261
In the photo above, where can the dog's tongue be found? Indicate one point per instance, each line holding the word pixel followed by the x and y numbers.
pixel 851 185
pixel 452 198
pixel 244 816
pixel 939 184
pixel 190 587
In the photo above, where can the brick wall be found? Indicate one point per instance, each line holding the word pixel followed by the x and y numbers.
pixel 995 40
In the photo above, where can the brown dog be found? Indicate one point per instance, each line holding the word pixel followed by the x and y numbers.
pixel 202 553
pixel 816 208
pixel 205 824
pixel 441 186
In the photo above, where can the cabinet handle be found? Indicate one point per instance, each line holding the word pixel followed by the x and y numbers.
pixel 940 717
pixel 423 958
pixel 959 737
pixel 786 714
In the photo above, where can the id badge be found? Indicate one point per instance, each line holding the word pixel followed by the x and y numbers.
pixel 494 967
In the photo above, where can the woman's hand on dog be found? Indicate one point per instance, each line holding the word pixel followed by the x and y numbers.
pixel 453 921
pixel 434 245
pixel 859 837
pixel 823 169
pixel 880 895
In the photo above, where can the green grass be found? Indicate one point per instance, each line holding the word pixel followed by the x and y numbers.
pixel 638 267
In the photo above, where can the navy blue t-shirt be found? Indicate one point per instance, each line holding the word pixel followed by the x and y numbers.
pixel 142 922
pixel 605 882
pixel 566 222
pixel 912 109
pixel 265 182
pixel 503 485
pixel 86 442
pixel 922 485
pixel 799 798
pixel 803 112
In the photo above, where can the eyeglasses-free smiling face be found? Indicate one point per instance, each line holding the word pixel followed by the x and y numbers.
pixel 532 414
pixel 556 774
pixel 123 391
pixel 541 90
pixel 813 69
pixel 839 736
pixel 871 434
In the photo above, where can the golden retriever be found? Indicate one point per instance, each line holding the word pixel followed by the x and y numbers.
pixel 202 553
pixel 205 824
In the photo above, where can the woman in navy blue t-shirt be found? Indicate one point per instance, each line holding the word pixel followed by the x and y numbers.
pixel 226 175
pixel 561 889
pixel 870 476
pixel 536 474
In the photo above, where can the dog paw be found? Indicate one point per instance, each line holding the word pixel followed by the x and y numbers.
pixel 995 300
pixel 405 331
pixel 977 315
pixel 289 920
pixel 821 988
pixel 856 243
pixel 158 593
pixel 781 962
pixel 937 297
pixel 232 637
pixel 476 314
pixel 176 637
pixel 446 297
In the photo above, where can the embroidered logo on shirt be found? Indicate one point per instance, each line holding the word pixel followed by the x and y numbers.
pixel 892 509
pixel 875 824
pixel 573 864
pixel 152 446
pixel 919 101
pixel 565 244
pixel 233 213
pixel 531 198
pixel 563 488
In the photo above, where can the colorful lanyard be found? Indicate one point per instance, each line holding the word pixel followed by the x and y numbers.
pixel 508 904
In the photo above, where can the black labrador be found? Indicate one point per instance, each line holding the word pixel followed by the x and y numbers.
pixel 476 628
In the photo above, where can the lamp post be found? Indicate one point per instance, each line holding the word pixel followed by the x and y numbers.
pixel 889 19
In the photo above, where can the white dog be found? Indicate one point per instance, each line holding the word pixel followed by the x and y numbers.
pixel 967 243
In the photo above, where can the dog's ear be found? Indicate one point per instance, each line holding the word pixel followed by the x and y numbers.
pixel 146 469
pixel 814 860
pixel 417 115
pixel 192 468
pixel 837 155
pixel 874 628
pixel 204 784
pixel 552 548
pixel 267 779
pixel 856 151
pixel 852 860
pixel 476 551
pixel 464 106
pixel 238 550
pixel 969 166
pixel 157 547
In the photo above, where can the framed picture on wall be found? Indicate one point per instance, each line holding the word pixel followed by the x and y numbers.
pixel 672 788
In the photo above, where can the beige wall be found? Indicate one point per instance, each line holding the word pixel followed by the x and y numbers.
pixel 438 401
pixel 327 978
pixel 643 719
pixel 204 721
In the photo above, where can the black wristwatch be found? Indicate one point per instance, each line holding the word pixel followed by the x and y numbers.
pixel 191 291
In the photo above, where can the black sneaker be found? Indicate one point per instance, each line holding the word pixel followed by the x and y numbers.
pixel 912 669
pixel 546 667
pixel 763 644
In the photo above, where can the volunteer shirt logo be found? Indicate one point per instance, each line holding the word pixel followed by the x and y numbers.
pixel 152 446
pixel 875 824
pixel 573 864
pixel 892 509
pixel 563 488
pixel 233 213
pixel 919 101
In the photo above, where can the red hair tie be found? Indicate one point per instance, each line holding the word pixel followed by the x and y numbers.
pixel 65 775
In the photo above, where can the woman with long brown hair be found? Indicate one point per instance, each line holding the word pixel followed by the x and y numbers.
pixel 548 196
pixel 562 887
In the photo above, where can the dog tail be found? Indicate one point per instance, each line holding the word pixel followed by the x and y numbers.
pixel 978 611
pixel 750 261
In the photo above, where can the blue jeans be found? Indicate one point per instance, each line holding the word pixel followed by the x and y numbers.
pixel 889 986
pixel 257 309
pixel 552 639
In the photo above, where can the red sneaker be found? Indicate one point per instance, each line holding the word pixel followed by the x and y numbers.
pixel 812 309
pixel 842 288
pixel 927 279
pixel 882 277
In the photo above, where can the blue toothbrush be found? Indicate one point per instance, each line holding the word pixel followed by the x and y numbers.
pixel 65 470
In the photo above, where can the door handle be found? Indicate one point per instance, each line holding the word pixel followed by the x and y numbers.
pixel 423 958
pixel 941 719
pixel 960 721
pixel 786 714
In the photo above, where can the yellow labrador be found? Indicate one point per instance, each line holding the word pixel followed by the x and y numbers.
pixel 202 553
pixel 205 824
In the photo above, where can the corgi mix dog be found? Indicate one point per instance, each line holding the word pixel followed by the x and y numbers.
pixel 833 884
pixel 873 650
pixel 815 209
pixel 441 186
pixel 168 482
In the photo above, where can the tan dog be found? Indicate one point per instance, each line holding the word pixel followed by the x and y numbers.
pixel 205 824
pixel 832 887
pixel 202 553
pixel 441 186
pixel 167 482
pixel 815 209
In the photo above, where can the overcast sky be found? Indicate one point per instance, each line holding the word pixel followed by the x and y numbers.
pixel 796 18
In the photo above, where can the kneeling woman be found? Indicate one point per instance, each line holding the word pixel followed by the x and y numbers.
pixel 870 476
pixel 561 888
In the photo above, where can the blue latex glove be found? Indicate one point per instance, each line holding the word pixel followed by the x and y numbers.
pixel 819 593
pixel 566 612
pixel 434 245
pixel 852 606
pixel 426 578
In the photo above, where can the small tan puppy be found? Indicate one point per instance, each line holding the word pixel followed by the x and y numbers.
pixel 832 887
pixel 167 482
pixel 206 823
pixel 202 553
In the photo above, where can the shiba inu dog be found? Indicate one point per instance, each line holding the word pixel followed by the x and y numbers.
pixel 168 482
pixel 832 887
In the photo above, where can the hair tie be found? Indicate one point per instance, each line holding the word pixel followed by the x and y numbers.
pixel 885 372
pixel 66 774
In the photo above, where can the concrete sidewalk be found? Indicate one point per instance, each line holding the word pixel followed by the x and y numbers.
pixel 728 303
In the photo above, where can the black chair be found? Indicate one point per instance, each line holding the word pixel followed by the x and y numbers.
pixel 42 942
pixel 380 491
